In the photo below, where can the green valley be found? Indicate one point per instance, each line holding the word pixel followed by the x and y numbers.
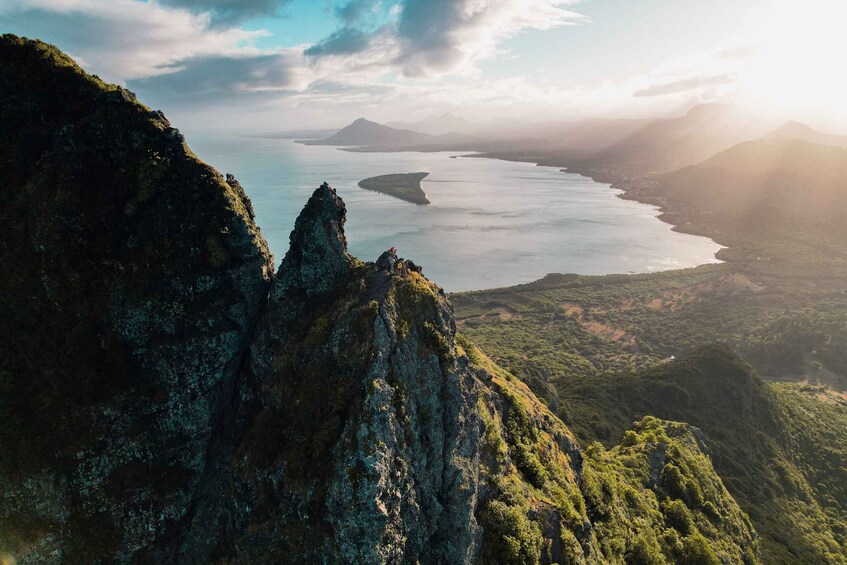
pixel 752 351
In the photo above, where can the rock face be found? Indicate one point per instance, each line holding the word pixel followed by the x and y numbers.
pixel 165 399
pixel 133 278
pixel 365 443
pixel 317 258
pixel 380 436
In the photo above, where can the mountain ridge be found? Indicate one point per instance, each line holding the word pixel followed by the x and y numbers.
pixel 670 143
pixel 762 183
pixel 200 409
pixel 796 130
pixel 362 132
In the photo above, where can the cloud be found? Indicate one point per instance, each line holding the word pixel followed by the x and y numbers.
pixel 124 39
pixel 423 38
pixel 686 85
pixel 440 35
pixel 215 77
pixel 195 59
pixel 354 11
pixel 229 12
pixel 197 47
pixel 344 41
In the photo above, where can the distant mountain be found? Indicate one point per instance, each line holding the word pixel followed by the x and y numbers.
pixel 165 398
pixel 668 144
pixel 365 132
pixel 439 125
pixel 594 133
pixel 796 130
pixel 764 181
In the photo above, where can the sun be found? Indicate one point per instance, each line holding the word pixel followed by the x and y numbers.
pixel 799 60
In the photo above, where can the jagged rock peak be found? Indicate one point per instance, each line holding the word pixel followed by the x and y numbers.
pixel 180 415
pixel 148 276
pixel 317 258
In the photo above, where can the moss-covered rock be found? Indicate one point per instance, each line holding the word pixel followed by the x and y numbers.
pixel 164 401
pixel 381 436
pixel 133 277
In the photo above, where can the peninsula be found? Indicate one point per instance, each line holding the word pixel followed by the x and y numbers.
pixel 405 186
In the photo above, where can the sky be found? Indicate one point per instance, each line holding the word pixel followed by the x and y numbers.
pixel 270 65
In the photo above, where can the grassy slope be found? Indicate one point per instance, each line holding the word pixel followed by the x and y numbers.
pixel 653 498
pixel 766 183
pixel 778 301
pixel 596 349
pixel 779 447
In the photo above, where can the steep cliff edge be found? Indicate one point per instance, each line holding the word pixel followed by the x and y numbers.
pixel 381 436
pixel 165 399
pixel 133 275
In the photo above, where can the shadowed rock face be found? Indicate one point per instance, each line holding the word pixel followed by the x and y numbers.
pixel 165 399
pixel 317 258
pixel 133 278
pixel 364 448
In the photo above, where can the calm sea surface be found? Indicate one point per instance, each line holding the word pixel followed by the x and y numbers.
pixel 491 223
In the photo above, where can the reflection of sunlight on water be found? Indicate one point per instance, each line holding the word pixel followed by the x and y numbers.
pixel 491 223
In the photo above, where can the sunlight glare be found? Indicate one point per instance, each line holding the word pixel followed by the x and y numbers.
pixel 798 68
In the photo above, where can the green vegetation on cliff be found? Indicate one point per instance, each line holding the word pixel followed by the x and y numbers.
pixel 133 275
pixel 165 399
pixel 654 498
pixel 778 447
pixel 598 350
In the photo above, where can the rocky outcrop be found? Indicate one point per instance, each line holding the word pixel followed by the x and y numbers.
pixel 165 399
pixel 364 446
pixel 379 435
pixel 317 259
pixel 133 278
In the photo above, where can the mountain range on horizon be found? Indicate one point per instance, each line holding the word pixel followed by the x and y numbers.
pixel 170 394
pixel 206 409
pixel 362 132
pixel 635 144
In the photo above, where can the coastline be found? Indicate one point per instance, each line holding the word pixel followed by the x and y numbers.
pixel 632 187
pixel 403 186
pixel 635 187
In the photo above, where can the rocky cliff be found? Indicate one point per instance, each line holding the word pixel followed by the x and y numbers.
pixel 166 399
pixel 133 277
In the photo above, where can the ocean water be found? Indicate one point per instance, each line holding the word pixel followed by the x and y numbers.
pixel 491 223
